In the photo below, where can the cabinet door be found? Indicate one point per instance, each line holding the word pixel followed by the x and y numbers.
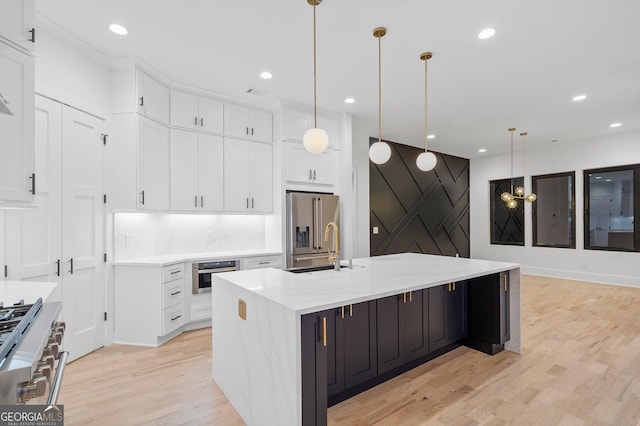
pixel 184 170
pixel 390 324
pixel 456 308
pixel 17 153
pixel 332 127
pixel 296 123
pixel 360 355
pixel 261 169
pixel 153 165
pixel 335 351
pixel 236 120
pixel 324 167
pixel 211 116
pixel 314 370
pixel 416 325
pixel 236 175
pixel 297 163
pixel 153 98
pixel 184 110
pixel 437 317
pixel 261 124
pixel 505 308
pixel 17 17
pixel 210 172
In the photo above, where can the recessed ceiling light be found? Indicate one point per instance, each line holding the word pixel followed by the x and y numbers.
pixel 607 180
pixel 598 177
pixel 486 33
pixel 482 150
pixel 615 125
pixel 431 136
pixel 349 100
pixel 266 75
pixel 579 97
pixel 118 29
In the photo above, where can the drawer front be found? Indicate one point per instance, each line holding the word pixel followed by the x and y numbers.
pixel 172 293
pixel 172 272
pixel 172 318
pixel 262 262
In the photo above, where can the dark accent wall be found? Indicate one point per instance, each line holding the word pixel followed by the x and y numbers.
pixel 416 211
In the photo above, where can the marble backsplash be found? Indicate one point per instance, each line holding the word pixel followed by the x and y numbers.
pixel 148 234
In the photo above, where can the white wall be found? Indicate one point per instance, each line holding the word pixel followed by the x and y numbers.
pixel 360 153
pixel 588 265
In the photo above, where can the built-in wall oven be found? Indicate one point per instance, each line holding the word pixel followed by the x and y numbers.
pixel 202 273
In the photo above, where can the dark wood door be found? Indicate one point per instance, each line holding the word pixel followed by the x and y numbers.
pixel 390 324
pixel 360 349
pixel 437 316
pixel 314 370
pixel 456 312
pixel 416 325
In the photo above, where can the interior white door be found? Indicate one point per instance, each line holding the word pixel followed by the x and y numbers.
pixel 36 233
pixel 83 237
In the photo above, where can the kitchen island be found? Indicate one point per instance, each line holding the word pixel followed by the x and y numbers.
pixel 284 344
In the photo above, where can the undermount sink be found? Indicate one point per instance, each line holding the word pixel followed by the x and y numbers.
pixel 317 268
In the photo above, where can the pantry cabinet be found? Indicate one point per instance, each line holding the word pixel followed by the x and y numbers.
pixel 196 112
pixel 136 91
pixel 248 176
pixel 196 171
pixel 18 182
pixel 247 123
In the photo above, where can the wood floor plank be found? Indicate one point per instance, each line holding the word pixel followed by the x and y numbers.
pixel 580 366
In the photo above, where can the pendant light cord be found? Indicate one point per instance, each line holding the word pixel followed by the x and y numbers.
pixel 315 90
pixel 379 90
pixel 426 136
pixel 511 130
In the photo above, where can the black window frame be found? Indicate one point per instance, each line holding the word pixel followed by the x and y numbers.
pixel 636 207
pixel 572 207
pixel 496 187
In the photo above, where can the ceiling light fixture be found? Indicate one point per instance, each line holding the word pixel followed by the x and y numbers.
pixel 379 152
pixel 431 137
pixel 349 101
pixel 426 160
pixel 266 75
pixel 118 29
pixel 482 150
pixel 315 140
pixel 510 198
pixel 487 33
pixel 615 125
pixel 579 98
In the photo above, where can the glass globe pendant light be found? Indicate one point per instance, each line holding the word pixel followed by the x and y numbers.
pixel 426 160
pixel 379 152
pixel 510 198
pixel 315 140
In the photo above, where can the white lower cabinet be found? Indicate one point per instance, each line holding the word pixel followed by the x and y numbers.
pixel 149 303
pixel 248 176
pixel 258 262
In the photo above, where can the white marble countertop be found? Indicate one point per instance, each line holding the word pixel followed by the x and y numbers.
pixel 193 257
pixel 12 291
pixel 370 278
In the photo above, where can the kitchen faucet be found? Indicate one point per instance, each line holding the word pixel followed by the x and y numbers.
pixel 335 257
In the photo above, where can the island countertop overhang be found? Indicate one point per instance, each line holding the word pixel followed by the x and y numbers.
pixel 369 279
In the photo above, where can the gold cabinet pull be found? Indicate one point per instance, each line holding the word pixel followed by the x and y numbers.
pixel 454 286
pixel 350 310
pixel 505 281
pixel 342 311
pixel 324 331
pixel 404 297
pixel 410 296
pixel 449 286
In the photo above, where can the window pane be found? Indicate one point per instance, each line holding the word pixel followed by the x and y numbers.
pixel 553 213
pixel 507 225
pixel 611 214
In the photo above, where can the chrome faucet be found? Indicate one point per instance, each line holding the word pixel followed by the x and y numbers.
pixel 335 257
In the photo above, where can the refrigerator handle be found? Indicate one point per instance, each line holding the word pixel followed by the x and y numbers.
pixel 314 211
pixel 320 222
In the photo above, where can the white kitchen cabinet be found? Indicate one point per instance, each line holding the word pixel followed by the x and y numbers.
pixel 17 150
pixel 298 120
pixel 136 91
pixel 258 262
pixel 149 303
pixel 196 112
pixel 306 168
pixel 17 23
pixel 248 174
pixel 248 123
pixel 196 171
pixel 139 148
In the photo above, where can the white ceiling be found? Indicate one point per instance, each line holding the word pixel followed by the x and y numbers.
pixel 544 53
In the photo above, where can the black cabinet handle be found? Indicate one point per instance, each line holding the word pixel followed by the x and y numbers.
pixel 71 262
pixel 252 131
pixel 252 206
pixel 202 201
pixel 247 202
pixel 177 292
pixel 142 200
pixel 201 122
pixel 141 103
pixel 247 130
pixel 175 318
pixel 314 175
pixel 195 121
pixel 33 35
pixel 58 267
pixel 33 183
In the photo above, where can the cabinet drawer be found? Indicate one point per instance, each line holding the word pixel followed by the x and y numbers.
pixel 172 318
pixel 262 262
pixel 172 293
pixel 172 272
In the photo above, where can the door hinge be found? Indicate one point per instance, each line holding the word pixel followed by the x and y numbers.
pixel 104 199
pixel 104 138
pixel 6 271
pixel 105 257
pixel 105 316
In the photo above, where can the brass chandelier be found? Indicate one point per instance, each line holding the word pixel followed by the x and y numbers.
pixel 510 198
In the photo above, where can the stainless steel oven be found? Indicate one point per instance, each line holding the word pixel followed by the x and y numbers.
pixel 201 273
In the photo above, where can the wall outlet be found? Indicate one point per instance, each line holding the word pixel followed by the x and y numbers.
pixel 375 230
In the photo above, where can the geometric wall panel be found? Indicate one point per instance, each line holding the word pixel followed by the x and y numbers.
pixel 416 211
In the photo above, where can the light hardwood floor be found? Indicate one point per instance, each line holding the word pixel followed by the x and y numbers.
pixel 580 366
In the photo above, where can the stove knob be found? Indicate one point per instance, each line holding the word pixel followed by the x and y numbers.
pixel 44 369
pixel 32 389
pixel 48 360
pixel 60 324
pixel 59 329
pixel 54 347
pixel 56 337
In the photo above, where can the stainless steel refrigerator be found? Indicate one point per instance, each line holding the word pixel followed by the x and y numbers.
pixel 307 217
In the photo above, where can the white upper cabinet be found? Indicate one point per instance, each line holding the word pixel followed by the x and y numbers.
pixel 248 123
pixel 196 171
pixel 248 176
pixel 196 112
pixel 153 165
pixel 17 126
pixel 136 91
pixel 298 120
pixel 17 23
pixel 305 168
